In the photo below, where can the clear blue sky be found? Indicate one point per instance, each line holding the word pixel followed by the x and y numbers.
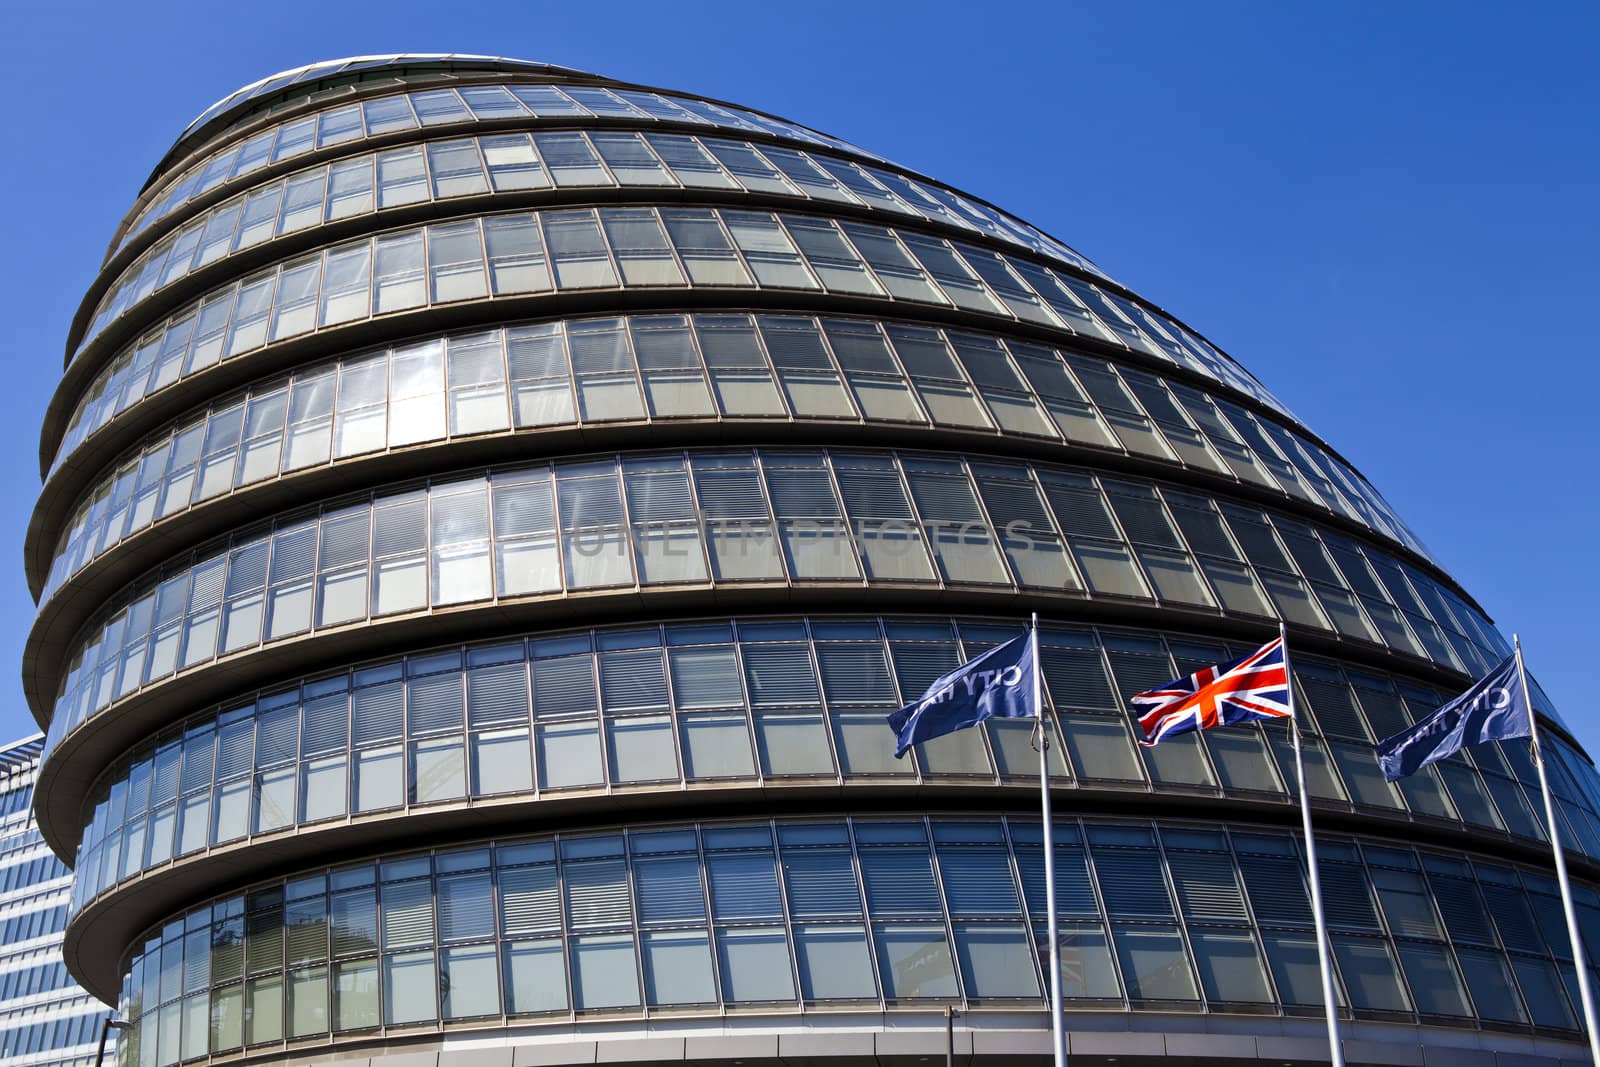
pixel 1387 211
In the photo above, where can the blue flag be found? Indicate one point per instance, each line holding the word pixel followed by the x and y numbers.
pixel 1492 710
pixel 997 683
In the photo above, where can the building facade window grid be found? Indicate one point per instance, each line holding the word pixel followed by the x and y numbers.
pixel 783 915
pixel 289 424
pixel 442 169
pixel 601 710
pixel 45 1019
pixel 173 620
pixel 405 270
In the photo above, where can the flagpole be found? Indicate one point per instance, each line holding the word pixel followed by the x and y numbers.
pixel 1058 1040
pixel 1579 963
pixel 1324 964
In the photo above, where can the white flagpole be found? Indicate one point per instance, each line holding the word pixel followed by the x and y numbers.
pixel 1313 874
pixel 1579 964
pixel 1058 1040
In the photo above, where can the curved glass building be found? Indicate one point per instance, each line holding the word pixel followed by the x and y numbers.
pixel 489 510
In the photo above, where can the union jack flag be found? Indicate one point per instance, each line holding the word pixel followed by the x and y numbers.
pixel 1254 687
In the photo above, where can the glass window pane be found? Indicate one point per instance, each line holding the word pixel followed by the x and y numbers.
pixel 1153 963
pixel 677 968
pixel 755 964
pixel 1087 970
pixel 835 963
pixel 1230 966
pixel 470 982
pixel 915 961
pixel 535 976
pixel 996 960
pixel 410 980
pixel 1369 974
pixel 604 973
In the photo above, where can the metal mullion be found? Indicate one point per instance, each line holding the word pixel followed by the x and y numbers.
pixel 1014 868
pixel 1182 919
pixel 761 347
pixel 799 253
pixel 988 520
pixel 973 276
pixel 703 528
pixel 1189 550
pixel 905 210
pixel 1028 389
pixel 650 150
pixel 987 742
pixel 1243 559
pixel 1110 335
pixel 922 529
pixel 672 250
pixel 894 679
pixel 1497 943
pixel 602 718
pixel 625 524
pixel 1394 602
pixel 1258 463
pixel 1023 283
pixel 1201 747
pixel 483 162
pixel 844 512
pixel 563 931
pixel 1187 422
pixel 866 914
pixel 1137 408
pixel 666 681
pixel 1087 398
pixel 1100 907
pixel 787 919
pixel 566 353
pixel 1448 944
pixel 1390 938
pixel 853 199
pixel 894 354
pixel 611 177
pixel 693 335
pixel 635 932
pixel 812 203
pixel 605 244
pixel 749 707
pixel 1266 439
pixel 1121 715
pixel 1122 536
pixel 709 155
pixel 488 289
pixel 944 909
pixel 1355 596
pixel 772 517
pixel 824 705
pixel 1255 923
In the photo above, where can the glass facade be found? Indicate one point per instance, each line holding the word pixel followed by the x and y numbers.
pixel 436 108
pixel 558 159
pixel 730 518
pixel 757 700
pixel 46 1020
pixel 490 511
pixel 707 366
pixel 882 911
pixel 579 250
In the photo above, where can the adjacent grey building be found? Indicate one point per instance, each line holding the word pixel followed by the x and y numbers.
pixel 489 510
pixel 46 1020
